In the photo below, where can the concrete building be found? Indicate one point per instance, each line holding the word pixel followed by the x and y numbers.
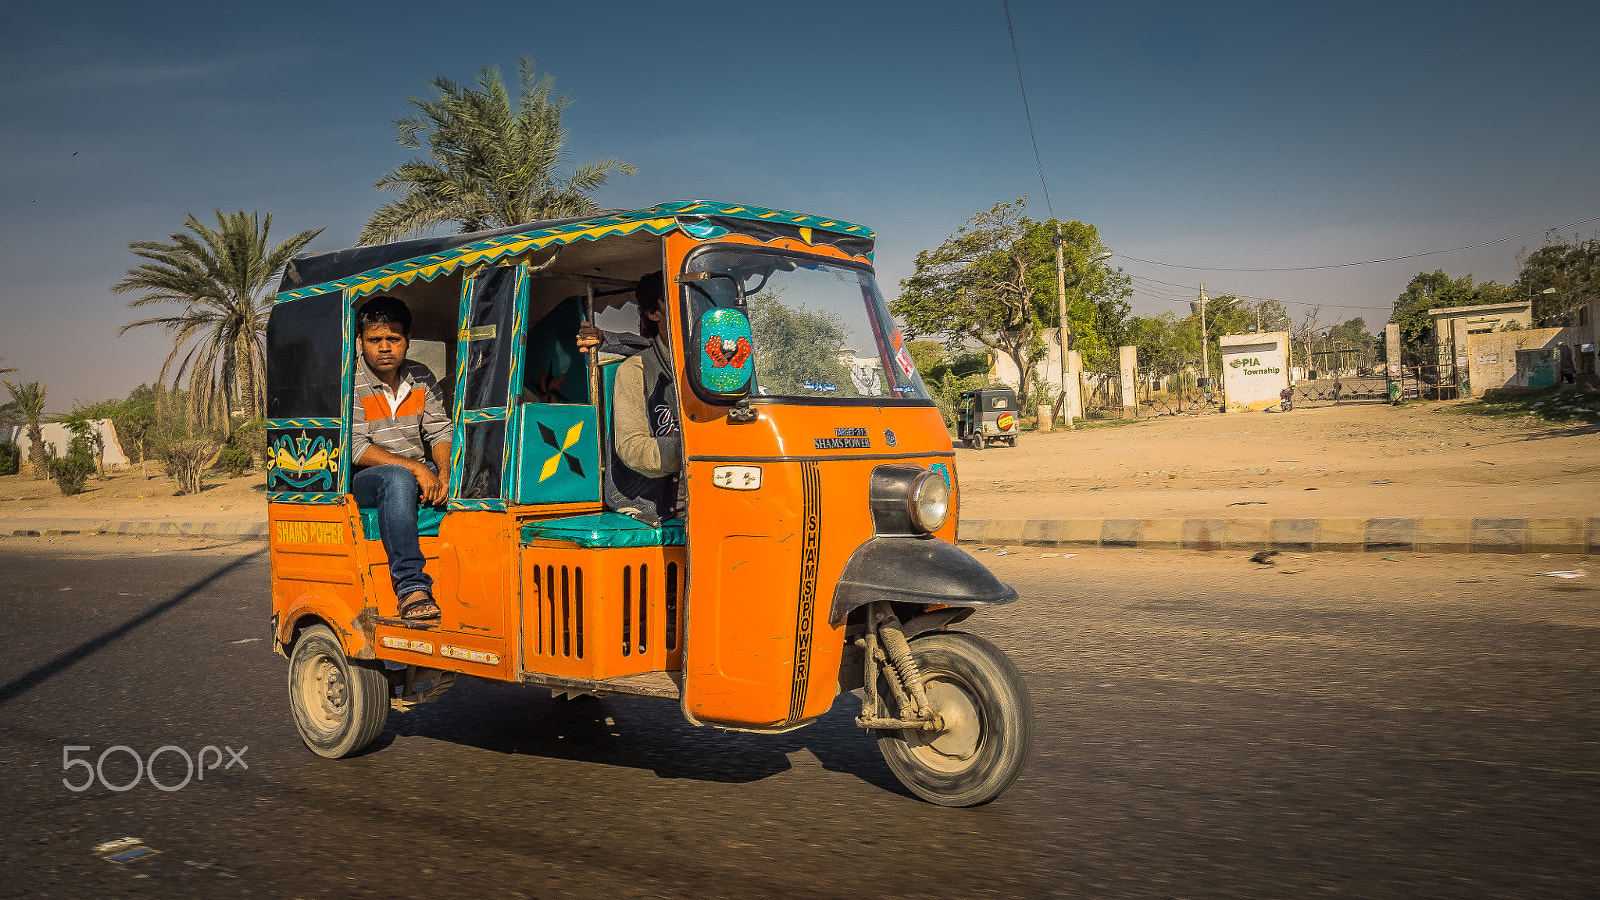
pixel 1255 369
pixel 1482 318
pixel 1527 358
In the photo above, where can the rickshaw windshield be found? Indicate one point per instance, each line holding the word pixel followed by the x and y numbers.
pixel 820 329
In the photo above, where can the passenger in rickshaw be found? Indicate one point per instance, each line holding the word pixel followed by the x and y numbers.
pixel 645 434
pixel 400 442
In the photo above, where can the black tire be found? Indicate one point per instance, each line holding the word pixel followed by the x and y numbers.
pixel 339 706
pixel 989 719
pixel 977 440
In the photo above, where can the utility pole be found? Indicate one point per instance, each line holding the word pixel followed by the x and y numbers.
pixel 1205 340
pixel 1061 331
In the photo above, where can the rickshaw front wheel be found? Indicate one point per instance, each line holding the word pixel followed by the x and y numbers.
pixel 339 707
pixel 988 719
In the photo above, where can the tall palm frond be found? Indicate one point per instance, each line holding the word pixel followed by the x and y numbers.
pixel 488 165
pixel 223 278
pixel 29 396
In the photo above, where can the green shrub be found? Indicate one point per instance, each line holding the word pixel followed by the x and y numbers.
pixel 234 460
pixel 10 458
pixel 71 472
pixel 251 437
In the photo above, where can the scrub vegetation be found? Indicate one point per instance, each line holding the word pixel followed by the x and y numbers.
pixel 1562 407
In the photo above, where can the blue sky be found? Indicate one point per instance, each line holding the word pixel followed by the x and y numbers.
pixel 1248 135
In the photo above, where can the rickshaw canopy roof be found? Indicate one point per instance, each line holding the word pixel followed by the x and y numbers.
pixel 367 270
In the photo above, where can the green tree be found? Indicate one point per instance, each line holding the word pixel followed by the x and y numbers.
pixel 488 165
pixel 29 397
pixel 223 278
pixel 87 442
pixel 994 282
pixel 1266 316
pixel 1570 271
pixel 976 286
pixel 794 346
pixel 1436 290
pixel 928 356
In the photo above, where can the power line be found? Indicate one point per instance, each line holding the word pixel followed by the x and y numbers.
pixel 1222 292
pixel 1364 262
pixel 1025 112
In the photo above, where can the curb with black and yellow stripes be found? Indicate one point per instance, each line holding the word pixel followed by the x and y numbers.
pixel 1424 535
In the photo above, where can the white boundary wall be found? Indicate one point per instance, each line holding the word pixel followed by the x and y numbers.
pixel 57 433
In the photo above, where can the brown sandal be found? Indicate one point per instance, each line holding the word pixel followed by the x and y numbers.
pixel 419 606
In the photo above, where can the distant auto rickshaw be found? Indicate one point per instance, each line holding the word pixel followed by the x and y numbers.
pixel 818 555
pixel 987 415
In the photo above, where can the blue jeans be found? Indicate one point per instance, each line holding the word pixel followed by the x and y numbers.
pixel 393 491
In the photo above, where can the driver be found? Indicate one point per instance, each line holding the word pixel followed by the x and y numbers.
pixel 645 427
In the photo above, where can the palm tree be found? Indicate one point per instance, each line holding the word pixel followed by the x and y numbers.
pixel 29 396
pixel 488 166
pixel 222 277
pixel 5 369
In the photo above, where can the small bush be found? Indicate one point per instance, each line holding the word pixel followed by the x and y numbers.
pixel 187 460
pixel 71 472
pixel 234 460
pixel 251 437
pixel 10 458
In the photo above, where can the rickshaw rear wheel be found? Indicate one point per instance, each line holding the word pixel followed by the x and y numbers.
pixel 977 440
pixel 988 717
pixel 339 707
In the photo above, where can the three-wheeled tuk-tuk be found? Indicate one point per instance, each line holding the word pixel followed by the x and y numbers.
pixel 987 415
pixel 817 552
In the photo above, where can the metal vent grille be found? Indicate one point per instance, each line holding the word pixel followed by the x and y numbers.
pixel 560 611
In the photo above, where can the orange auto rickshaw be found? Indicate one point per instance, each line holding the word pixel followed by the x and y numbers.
pixel 817 555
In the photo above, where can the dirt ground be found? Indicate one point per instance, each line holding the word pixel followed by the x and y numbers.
pixel 1355 460
pixel 1358 460
pixel 128 496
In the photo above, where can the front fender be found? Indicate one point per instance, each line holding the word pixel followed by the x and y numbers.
pixel 922 570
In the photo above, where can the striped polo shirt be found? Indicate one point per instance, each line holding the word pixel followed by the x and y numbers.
pixel 417 423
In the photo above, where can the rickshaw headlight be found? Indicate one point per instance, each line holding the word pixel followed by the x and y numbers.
pixel 930 502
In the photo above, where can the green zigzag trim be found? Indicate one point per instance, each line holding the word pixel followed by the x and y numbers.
pixel 288 497
pixel 474 416
pixel 576 231
pixel 478 505
pixel 304 423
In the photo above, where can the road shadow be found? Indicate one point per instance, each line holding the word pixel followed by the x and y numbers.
pixel 67 659
pixel 636 732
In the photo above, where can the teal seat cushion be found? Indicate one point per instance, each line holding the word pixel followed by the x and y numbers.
pixel 428 519
pixel 607 529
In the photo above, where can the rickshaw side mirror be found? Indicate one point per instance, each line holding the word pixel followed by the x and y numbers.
pixel 723 356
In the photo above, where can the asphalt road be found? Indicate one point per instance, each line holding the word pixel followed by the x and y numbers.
pixel 1336 725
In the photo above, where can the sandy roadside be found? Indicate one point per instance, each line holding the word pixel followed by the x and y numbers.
pixel 129 496
pixel 1356 461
